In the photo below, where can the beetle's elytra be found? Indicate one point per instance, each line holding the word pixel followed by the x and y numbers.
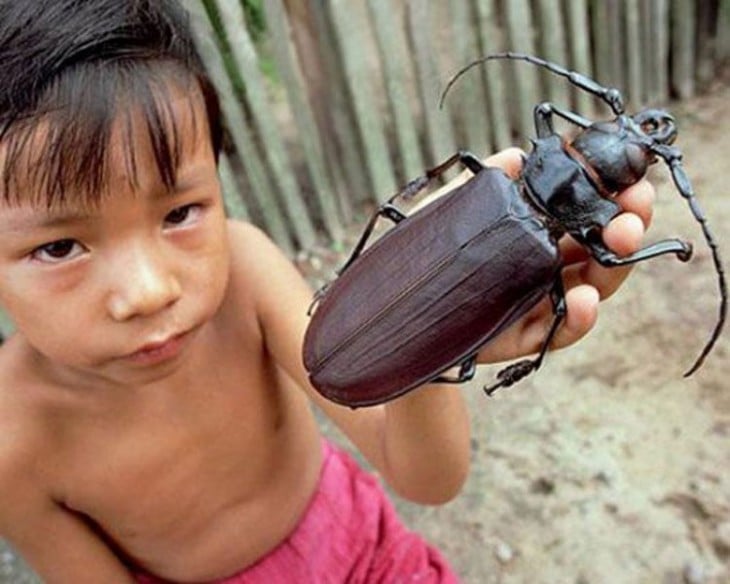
pixel 448 279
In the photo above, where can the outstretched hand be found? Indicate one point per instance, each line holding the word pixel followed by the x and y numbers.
pixel 586 281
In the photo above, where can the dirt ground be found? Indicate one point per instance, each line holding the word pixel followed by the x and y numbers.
pixel 608 467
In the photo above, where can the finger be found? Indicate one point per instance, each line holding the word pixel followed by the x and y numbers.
pixel 526 336
pixel 582 313
pixel 623 235
pixel 509 160
pixel 639 199
pixel 572 252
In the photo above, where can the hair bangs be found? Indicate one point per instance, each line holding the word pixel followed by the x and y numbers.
pixel 61 152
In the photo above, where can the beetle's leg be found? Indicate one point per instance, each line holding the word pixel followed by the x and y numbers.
pixel 387 210
pixel 513 373
pixel 390 211
pixel 543 115
pixel 418 184
pixel 673 158
pixel 604 256
pixel 467 370
pixel 318 295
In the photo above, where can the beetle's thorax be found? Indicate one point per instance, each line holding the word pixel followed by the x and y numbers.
pixel 615 153
pixel 560 187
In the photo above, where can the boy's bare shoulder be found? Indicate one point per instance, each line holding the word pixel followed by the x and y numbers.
pixel 21 420
pixel 249 244
pixel 18 400
pixel 257 263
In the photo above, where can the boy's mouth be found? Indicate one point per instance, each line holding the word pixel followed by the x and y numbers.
pixel 159 351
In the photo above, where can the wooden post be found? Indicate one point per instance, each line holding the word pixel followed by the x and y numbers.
pixel 580 55
pixel 722 37
pixel 261 189
pixel 246 59
pixel 683 47
pixel 392 45
pixel 494 74
pixel 303 117
pixel 336 119
pixel 438 124
pixel 528 94
pixel 706 30
pixel 553 46
pixel 350 27
pixel 235 206
pixel 467 102
pixel 634 89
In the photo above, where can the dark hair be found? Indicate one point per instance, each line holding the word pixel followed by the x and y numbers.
pixel 69 64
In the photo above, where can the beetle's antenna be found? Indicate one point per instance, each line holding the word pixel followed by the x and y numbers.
pixel 673 158
pixel 610 95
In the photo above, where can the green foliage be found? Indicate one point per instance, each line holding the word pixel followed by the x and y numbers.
pixel 254 10
pixel 256 23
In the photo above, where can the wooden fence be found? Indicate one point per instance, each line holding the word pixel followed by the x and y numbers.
pixel 350 107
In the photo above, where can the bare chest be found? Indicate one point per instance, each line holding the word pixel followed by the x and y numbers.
pixel 186 474
pixel 140 468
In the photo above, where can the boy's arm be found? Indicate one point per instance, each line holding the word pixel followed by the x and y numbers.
pixel 60 546
pixel 420 442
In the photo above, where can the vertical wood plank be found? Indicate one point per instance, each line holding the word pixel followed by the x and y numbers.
pixel 494 77
pixel 554 49
pixel 649 61
pixel 579 47
pixel 246 59
pixel 235 206
pixel 521 36
pixel 683 47
pixel 617 43
pixel 261 189
pixel 601 42
pixel 658 39
pixel 468 102
pixel 722 37
pixel 339 130
pixel 706 29
pixel 350 29
pixel 437 123
pixel 392 45
pixel 634 89
pixel 303 116
pixel 608 40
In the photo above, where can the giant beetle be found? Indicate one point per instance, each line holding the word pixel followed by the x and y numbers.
pixel 446 280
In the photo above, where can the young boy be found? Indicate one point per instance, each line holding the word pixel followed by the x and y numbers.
pixel 154 409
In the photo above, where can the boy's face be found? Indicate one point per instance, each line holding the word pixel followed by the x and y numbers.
pixel 120 289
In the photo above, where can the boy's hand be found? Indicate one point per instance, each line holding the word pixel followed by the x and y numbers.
pixel 586 282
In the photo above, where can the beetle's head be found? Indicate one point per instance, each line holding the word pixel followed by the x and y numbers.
pixel 657 125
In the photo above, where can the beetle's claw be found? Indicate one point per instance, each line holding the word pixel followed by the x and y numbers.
pixel 511 375
pixel 684 256
pixel 318 295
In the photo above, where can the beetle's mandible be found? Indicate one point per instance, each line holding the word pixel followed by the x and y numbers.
pixel 448 279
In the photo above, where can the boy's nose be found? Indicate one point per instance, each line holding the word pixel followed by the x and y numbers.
pixel 143 286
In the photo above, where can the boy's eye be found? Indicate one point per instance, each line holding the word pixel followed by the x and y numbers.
pixel 58 251
pixel 183 215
